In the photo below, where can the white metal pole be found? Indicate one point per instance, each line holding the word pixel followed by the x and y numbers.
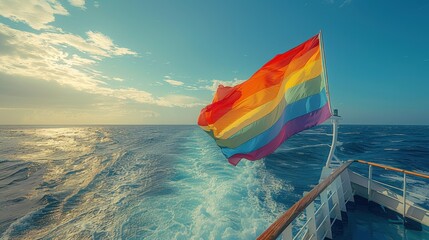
pixel 311 218
pixel 325 72
pixel 404 195
pixel 334 140
pixel 369 182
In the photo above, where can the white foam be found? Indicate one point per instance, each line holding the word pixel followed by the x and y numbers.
pixel 307 146
pixel 391 149
pixel 217 200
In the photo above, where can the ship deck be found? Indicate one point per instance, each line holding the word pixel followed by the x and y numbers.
pixel 365 224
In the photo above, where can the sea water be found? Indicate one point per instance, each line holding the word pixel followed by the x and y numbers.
pixel 172 182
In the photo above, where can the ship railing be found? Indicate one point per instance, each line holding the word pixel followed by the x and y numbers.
pixel 321 207
pixel 403 190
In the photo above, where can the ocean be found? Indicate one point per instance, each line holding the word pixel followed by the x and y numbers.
pixel 172 182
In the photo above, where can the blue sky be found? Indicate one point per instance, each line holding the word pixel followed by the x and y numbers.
pixel 159 62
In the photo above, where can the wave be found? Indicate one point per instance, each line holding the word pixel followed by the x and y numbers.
pixel 391 149
pixel 306 146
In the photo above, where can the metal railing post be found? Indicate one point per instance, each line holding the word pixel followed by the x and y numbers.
pixel 326 218
pixel 369 181
pixel 340 190
pixel 311 218
pixel 348 187
pixel 336 204
pixel 404 195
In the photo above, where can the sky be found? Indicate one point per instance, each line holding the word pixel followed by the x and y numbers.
pixel 159 62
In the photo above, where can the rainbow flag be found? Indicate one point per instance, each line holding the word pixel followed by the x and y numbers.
pixel 286 96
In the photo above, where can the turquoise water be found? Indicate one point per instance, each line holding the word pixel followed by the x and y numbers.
pixel 171 182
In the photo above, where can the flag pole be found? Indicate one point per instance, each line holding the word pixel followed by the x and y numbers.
pixel 325 72
pixel 335 118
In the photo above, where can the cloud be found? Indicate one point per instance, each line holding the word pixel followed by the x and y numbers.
pixel 118 79
pixel 25 92
pixel 97 44
pixel 216 83
pixel 179 101
pixel 168 79
pixel 25 101
pixel 44 56
pixel 47 55
pixel 174 82
pixel 78 3
pixel 103 42
pixel 193 88
pixel 35 13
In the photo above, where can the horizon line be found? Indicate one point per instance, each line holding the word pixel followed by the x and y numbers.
pixel 180 124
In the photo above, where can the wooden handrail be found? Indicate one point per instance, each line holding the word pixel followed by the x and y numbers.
pixel 283 221
pixel 394 169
